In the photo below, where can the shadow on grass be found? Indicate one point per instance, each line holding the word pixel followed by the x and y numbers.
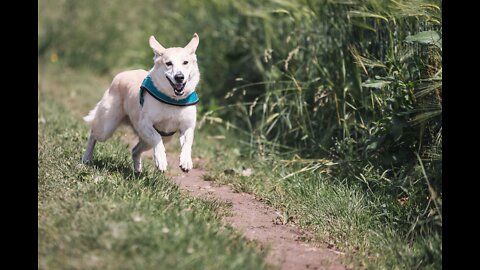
pixel 114 166
pixel 146 178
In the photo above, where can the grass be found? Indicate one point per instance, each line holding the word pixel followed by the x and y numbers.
pixel 104 216
pixel 376 230
pixel 335 105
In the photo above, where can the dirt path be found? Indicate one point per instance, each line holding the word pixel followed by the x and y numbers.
pixel 256 221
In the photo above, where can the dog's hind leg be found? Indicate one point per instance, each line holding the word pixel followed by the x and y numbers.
pixel 137 154
pixel 87 157
pixel 103 120
pixel 107 115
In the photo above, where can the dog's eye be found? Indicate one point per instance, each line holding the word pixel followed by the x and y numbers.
pixel 169 63
pixel 185 62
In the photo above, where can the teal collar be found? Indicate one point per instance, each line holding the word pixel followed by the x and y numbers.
pixel 147 85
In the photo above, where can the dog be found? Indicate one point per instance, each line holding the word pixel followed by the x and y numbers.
pixel 156 104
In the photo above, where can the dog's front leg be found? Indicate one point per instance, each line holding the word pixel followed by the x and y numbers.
pixel 150 135
pixel 186 141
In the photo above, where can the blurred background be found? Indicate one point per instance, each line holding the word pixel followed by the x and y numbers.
pixel 354 81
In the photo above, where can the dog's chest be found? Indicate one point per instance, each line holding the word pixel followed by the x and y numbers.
pixel 170 118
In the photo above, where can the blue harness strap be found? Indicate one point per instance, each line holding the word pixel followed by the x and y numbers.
pixel 164 134
pixel 147 85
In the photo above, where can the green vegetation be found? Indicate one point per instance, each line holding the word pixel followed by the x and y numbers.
pixel 336 105
pixel 375 228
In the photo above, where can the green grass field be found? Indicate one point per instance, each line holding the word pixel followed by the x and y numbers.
pixel 373 228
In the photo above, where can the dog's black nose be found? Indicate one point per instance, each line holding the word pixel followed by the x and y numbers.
pixel 179 78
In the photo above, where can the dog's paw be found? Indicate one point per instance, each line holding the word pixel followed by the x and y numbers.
pixel 161 161
pixel 86 159
pixel 186 163
pixel 137 165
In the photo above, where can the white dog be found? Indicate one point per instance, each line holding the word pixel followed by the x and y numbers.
pixel 156 104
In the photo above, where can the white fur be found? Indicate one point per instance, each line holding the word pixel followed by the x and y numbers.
pixel 120 103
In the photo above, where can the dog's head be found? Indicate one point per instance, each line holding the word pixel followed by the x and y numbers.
pixel 175 71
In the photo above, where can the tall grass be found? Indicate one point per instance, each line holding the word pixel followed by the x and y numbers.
pixel 356 82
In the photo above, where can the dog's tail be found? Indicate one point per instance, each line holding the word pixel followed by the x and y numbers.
pixel 91 115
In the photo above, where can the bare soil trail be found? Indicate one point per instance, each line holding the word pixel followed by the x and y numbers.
pixel 256 220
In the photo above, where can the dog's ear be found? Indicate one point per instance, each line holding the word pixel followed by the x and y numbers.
pixel 192 45
pixel 156 47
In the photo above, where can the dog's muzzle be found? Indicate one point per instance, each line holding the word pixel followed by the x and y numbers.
pixel 177 87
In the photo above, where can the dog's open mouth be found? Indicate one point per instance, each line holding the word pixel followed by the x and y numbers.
pixel 177 87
